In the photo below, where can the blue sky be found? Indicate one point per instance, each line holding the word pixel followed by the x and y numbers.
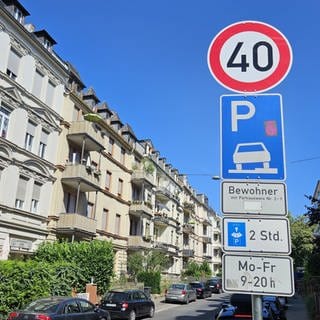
pixel 148 61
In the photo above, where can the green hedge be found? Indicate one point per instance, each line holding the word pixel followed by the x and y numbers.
pixel 150 279
pixel 24 281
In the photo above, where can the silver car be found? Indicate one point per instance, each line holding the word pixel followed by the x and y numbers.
pixel 180 292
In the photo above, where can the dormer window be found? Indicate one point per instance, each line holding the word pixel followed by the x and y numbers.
pixel 18 15
pixel 16 10
pixel 47 44
pixel 44 37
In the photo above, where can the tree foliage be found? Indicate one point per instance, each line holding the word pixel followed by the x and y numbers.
pixel 24 281
pixel 301 239
pixel 94 259
pixel 152 261
pixel 197 271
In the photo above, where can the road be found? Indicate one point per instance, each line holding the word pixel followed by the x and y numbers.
pixel 202 309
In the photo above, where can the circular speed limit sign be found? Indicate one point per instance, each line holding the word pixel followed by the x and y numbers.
pixel 249 56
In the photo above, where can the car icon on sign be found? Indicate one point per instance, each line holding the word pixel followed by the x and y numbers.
pixel 252 152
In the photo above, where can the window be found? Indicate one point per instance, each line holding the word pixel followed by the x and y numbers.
pixel 76 116
pixel 50 93
pixel 35 197
pixel 104 224
pixel 122 155
pixel 43 143
pixel 17 13
pixel 111 145
pixel 120 187
pixel 4 121
pixel 31 128
pixel 117 226
pixel 13 64
pixel 90 212
pixel 21 192
pixel 37 84
pixel 47 44
pixel 108 180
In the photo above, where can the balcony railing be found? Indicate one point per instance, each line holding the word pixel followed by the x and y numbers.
pixel 188 228
pixel 79 175
pixel 142 175
pixel 86 132
pixel 138 206
pixel 76 222
pixel 187 252
pixel 138 242
pixel 206 239
pixel 161 220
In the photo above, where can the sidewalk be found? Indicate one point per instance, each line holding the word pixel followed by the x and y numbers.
pixel 297 309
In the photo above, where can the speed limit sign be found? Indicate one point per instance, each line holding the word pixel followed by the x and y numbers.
pixel 249 56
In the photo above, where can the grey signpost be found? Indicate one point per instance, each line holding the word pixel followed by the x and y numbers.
pixel 251 57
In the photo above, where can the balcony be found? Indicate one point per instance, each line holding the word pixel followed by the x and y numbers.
pixel 138 206
pixel 162 246
pixel 85 133
pixel 163 195
pixel 140 176
pixel 206 239
pixel 206 222
pixel 187 252
pixel 138 242
pixel 189 208
pixel 207 257
pixel 188 228
pixel 79 175
pixel 76 223
pixel 161 220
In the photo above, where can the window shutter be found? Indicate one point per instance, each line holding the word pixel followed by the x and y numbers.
pixel 36 191
pixel 31 128
pixel 37 84
pixel 44 137
pixel 50 93
pixel 22 187
pixel 14 62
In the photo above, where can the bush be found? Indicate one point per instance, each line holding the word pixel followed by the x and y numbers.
pixel 150 279
pixel 95 259
pixel 24 281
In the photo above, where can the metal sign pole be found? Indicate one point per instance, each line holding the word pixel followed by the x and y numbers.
pixel 256 307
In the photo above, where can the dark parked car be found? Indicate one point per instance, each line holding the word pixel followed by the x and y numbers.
pixel 202 289
pixel 127 304
pixel 278 310
pixel 215 285
pixel 54 308
pixel 240 307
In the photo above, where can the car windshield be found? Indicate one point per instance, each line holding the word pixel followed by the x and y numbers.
pixel 116 296
pixel 47 306
pixel 177 286
pixel 250 148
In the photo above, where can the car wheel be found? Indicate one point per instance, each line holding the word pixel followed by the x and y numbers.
pixel 151 312
pixel 132 315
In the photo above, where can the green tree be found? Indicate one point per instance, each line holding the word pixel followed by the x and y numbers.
pixel 152 261
pixel 197 271
pixel 301 239
pixel 94 259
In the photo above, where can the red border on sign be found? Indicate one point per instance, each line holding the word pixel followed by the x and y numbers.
pixel 285 57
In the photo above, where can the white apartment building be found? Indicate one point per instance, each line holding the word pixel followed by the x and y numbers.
pixel 70 169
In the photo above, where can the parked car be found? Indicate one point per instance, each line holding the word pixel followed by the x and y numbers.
pixel 202 289
pixel 67 308
pixel 127 304
pixel 277 308
pixel 215 285
pixel 180 292
pixel 240 307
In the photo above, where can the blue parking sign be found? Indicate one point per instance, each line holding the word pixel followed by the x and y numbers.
pixel 252 138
